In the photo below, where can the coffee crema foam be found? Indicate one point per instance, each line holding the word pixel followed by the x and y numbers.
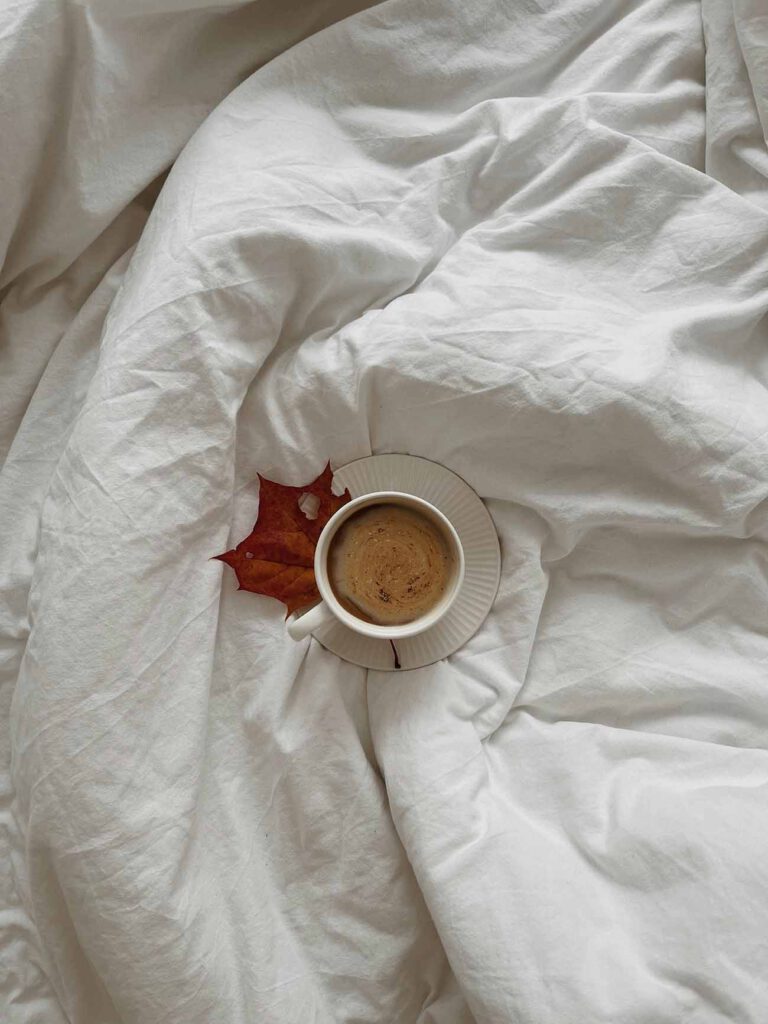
pixel 389 564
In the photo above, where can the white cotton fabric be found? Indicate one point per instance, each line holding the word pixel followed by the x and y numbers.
pixel 529 242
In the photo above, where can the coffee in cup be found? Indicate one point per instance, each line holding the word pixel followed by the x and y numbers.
pixel 390 564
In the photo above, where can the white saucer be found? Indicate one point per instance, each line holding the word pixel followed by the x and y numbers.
pixel 473 523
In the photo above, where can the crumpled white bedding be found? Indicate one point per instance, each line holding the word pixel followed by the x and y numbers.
pixel 529 241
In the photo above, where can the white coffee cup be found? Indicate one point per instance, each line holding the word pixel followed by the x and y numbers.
pixel 329 609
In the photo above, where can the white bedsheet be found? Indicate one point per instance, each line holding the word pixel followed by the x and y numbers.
pixel 529 241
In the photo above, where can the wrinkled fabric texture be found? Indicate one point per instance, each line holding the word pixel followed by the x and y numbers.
pixel 528 241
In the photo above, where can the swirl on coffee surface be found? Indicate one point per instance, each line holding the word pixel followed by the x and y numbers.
pixel 389 564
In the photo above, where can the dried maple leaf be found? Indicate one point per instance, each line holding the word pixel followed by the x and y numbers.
pixel 277 557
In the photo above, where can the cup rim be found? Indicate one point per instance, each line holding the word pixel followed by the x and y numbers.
pixel 372 629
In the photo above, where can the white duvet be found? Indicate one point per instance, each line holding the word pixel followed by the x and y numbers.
pixel 526 240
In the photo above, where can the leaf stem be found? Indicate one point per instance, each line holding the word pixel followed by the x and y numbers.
pixel 394 651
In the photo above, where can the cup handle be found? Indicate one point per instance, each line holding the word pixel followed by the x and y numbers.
pixel 307 623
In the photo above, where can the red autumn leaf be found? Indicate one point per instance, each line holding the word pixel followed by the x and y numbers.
pixel 277 557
